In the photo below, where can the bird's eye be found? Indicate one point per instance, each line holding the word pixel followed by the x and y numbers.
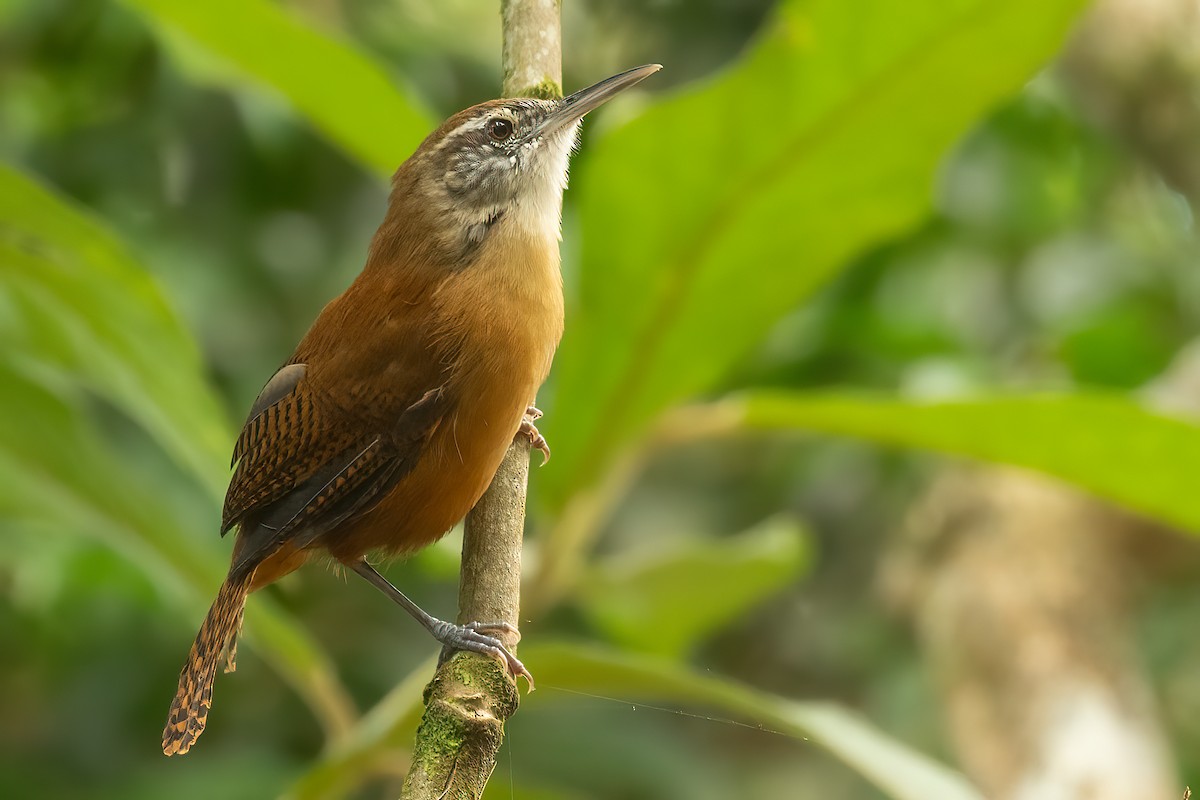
pixel 499 129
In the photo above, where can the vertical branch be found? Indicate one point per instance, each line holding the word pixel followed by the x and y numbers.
pixel 532 48
pixel 471 696
pixel 1022 672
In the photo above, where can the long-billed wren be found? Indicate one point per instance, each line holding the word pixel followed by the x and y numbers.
pixel 388 422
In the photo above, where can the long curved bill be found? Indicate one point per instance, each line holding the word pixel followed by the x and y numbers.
pixel 570 109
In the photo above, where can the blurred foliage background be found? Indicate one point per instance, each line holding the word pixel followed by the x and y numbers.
pixel 828 241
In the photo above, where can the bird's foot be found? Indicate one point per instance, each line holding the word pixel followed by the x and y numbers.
pixel 528 429
pixel 474 637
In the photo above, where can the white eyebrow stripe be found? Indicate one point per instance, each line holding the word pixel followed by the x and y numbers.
pixel 475 123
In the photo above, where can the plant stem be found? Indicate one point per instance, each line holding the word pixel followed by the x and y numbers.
pixel 471 696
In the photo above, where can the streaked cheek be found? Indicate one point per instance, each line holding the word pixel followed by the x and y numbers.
pixel 464 174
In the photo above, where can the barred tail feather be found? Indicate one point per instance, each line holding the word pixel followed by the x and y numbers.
pixel 217 638
pixel 230 653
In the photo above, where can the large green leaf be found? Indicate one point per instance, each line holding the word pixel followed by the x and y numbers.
pixel 78 315
pixel 711 215
pixel 1104 443
pixel 664 599
pixel 74 299
pixel 893 767
pixel 563 667
pixel 345 95
pixel 54 469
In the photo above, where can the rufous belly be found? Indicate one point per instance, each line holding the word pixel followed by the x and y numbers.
pixel 453 473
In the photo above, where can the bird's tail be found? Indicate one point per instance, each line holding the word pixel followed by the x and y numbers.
pixel 217 638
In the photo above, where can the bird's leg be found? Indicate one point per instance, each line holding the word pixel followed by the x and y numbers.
pixel 536 440
pixel 473 636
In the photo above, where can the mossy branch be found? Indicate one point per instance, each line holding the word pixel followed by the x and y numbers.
pixel 471 696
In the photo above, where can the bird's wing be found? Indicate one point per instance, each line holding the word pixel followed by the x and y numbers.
pixel 280 386
pixel 287 438
pixel 304 465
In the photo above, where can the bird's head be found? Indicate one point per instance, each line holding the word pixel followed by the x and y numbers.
pixel 502 163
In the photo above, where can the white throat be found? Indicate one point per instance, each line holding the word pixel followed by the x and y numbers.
pixel 539 209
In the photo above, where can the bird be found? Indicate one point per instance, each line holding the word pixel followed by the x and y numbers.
pixel 388 422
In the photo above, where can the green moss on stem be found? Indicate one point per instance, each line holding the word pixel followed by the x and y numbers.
pixel 466 705
pixel 548 89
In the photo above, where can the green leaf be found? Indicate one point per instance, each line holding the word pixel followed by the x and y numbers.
pixel 894 768
pixel 389 726
pixel 1107 444
pixel 564 668
pixel 55 470
pixel 714 213
pixel 664 600
pixel 77 316
pixel 346 96
pixel 76 301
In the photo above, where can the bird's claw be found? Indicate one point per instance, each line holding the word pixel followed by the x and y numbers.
pixel 474 638
pixel 536 440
